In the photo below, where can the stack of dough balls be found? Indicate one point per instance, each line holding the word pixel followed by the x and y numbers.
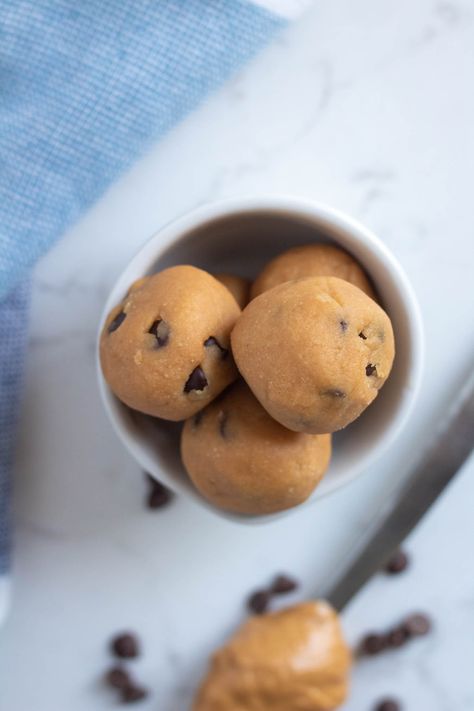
pixel 262 374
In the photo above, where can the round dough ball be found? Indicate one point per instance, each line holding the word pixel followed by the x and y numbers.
pixel 315 352
pixel 238 287
pixel 165 349
pixel 241 460
pixel 312 260
pixel 296 658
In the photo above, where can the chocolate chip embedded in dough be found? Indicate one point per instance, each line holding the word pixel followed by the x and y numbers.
pixel 161 331
pixel 211 341
pixel 117 321
pixel 370 370
pixel 196 381
pixel 222 419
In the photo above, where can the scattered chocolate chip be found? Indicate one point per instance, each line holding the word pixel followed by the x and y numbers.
pixel 258 602
pixel 397 563
pixel 363 336
pixel 222 419
pixel 284 584
pixel 417 625
pixel 196 381
pixel 117 321
pixel 197 419
pixel 117 677
pixel 334 392
pixel 158 495
pixel 211 341
pixel 388 705
pixel 397 637
pixel 133 693
pixel 370 369
pixel 161 331
pixel 373 644
pixel 125 646
pixel 344 325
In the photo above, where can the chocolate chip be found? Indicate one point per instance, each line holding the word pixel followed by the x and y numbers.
pixel 397 637
pixel 161 331
pixel 388 705
pixel 222 419
pixel 133 693
pixel 370 369
pixel 158 496
pixel 417 625
pixel 397 563
pixel 211 341
pixel 117 677
pixel 284 584
pixel 258 602
pixel 344 325
pixel 117 321
pixel 196 381
pixel 363 336
pixel 334 392
pixel 125 646
pixel 373 644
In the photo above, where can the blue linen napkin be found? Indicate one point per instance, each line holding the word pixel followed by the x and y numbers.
pixel 85 88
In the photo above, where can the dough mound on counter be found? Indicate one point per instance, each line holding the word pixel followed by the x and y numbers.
pixel 315 352
pixel 293 659
pixel 243 461
pixel 165 350
pixel 312 260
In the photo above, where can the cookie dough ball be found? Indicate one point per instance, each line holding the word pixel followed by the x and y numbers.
pixel 241 460
pixel 238 287
pixel 315 352
pixel 165 349
pixel 312 260
pixel 293 659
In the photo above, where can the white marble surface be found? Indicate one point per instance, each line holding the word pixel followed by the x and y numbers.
pixel 367 106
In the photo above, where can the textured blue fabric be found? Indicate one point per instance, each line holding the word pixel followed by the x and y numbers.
pixel 85 87
pixel 13 336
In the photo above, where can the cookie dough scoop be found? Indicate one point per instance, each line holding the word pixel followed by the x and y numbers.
pixel 165 350
pixel 315 352
pixel 312 260
pixel 292 659
pixel 242 460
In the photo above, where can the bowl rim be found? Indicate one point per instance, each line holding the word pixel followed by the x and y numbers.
pixel 322 216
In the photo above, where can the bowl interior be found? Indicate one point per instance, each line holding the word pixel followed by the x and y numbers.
pixel 241 242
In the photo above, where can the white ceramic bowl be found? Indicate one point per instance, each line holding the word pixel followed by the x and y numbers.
pixel 241 236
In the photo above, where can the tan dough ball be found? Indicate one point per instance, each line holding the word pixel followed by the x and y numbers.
pixel 241 460
pixel 315 352
pixel 165 349
pixel 292 659
pixel 312 260
pixel 238 287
